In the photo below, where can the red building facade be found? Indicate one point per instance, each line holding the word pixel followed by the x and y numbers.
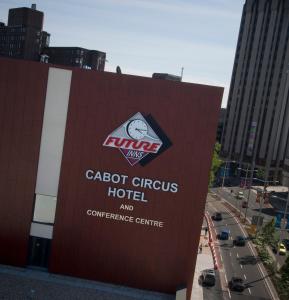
pixel 88 211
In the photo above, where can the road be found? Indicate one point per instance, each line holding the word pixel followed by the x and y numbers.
pixel 237 261
pixel 253 209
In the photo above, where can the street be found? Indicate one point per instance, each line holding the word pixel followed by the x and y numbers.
pixel 237 261
pixel 267 212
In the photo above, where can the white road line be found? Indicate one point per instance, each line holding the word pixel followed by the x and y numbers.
pixel 221 257
pixel 229 293
pixel 230 254
pixel 245 277
pixel 237 254
pixel 258 264
pixel 241 266
pixel 226 278
pixel 249 290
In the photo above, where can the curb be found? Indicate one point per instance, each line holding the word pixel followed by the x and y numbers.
pixel 211 244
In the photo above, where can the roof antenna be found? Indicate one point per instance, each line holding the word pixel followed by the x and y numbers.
pixel 182 72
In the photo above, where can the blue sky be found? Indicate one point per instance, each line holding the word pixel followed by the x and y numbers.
pixel 147 36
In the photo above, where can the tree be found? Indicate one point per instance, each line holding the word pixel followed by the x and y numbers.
pixel 216 163
pixel 284 280
pixel 268 233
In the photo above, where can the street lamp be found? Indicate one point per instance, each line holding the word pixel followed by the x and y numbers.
pixel 224 174
pixel 266 182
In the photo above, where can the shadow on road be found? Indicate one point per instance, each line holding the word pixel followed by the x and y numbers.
pixel 249 260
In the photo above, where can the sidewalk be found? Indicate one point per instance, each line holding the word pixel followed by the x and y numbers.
pixel 204 261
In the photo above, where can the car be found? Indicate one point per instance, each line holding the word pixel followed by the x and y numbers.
pixel 240 195
pixel 282 249
pixel 207 277
pixel 285 242
pixel 224 234
pixel 245 204
pixel 217 216
pixel 239 241
pixel 237 284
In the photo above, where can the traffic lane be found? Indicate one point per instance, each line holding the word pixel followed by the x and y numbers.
pixel 253 208
pixel 246 265
pixel 255 211
pixel 230 256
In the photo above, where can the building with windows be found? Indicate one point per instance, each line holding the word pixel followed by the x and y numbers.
pixel 256 123
pixel 76 57
pixel 23 36
pixel 96 173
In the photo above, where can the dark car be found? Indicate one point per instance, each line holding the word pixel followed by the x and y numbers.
pixel 224 234
pixel 217 216
pixel 239 241
pixel 285 242
pixel 245 204
pixel 208 277
pixel 237 284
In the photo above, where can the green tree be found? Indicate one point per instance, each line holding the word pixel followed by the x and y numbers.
pixel 216 163
pixel 268 233
pixel 260 174
pixel 284 280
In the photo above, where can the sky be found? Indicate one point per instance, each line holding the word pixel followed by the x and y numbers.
pixel 148 36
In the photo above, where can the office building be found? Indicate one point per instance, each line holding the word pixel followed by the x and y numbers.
pixel 256 124
pixel 75 57
pixel 23 36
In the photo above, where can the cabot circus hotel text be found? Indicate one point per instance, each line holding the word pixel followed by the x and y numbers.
pixel 136 182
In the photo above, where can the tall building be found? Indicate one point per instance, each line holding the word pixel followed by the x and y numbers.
pixel 256 124
pixel 23 36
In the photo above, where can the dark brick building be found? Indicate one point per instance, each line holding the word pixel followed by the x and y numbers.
pixel 23 37
pixel 76 57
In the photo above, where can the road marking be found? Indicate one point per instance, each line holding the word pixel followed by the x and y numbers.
pixel 221 257
pixel 249 244
pixel 229 293
pixel 249 290
pixel 237 254
pixel 241 266
pixel 245 277
pixel 230 253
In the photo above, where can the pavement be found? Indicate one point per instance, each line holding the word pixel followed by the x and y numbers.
pixel 204 261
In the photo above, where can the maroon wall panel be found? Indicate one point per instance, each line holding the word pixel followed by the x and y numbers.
pixel 22 97
pixel 136 255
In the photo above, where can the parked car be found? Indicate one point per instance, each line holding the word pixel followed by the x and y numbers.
pixel 208 277
pixel 240 195
pixel 245 204
pixel 285 242
pixel 224 235
pixel 217 216
pixel 239 241
pixel 281 250
pixel 237 284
